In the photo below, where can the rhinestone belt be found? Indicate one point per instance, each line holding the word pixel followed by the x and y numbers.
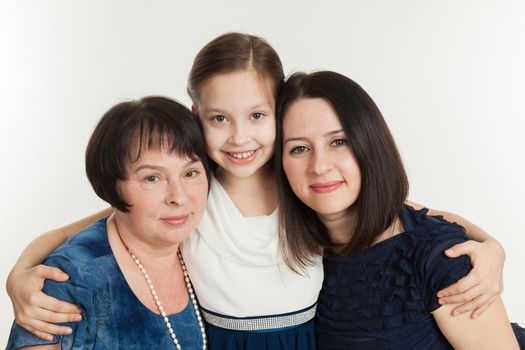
pixel 260 323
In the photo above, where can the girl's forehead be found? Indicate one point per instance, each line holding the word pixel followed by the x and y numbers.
pixel 240 88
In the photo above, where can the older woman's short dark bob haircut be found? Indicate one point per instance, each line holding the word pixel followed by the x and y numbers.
pixel 384 184
pixel 130 128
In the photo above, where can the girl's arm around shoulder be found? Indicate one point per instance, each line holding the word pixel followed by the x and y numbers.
pixel 79 290
pixel 480 288
pixel 34 310
pixel 492 330
pixel 46 243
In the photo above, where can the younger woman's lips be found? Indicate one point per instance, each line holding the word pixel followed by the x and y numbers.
pixel 326 187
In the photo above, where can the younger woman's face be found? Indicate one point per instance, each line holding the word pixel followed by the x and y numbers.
pixel 320 167
pixel 238 116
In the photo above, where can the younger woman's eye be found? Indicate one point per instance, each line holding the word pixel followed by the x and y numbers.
pixel 219 118
pixel 339 142
pixel 257 115
pixel 299 150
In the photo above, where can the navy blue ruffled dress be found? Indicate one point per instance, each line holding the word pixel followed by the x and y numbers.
pixel 113 317
pixel 383 299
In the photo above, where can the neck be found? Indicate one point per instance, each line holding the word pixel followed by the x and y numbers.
pixel 160 255
pixel 340 226
pixel 263 178
pixel 162 266
pixel 253 195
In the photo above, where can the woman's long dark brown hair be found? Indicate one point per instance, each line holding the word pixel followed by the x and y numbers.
pixel 384 184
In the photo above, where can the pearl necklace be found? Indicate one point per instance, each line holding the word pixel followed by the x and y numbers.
pixel 159 304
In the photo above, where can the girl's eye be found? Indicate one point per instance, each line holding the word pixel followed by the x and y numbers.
pixel 298 150
pixel 339 142
pixel 219 118
pixel 257 115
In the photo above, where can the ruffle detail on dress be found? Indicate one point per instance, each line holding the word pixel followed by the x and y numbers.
pixel 372 295
pixel 387 286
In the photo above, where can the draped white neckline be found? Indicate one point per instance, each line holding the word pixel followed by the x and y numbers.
pixel 248 240
pixel 236 266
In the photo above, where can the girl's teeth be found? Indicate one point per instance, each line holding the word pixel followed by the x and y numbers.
pixel 241 155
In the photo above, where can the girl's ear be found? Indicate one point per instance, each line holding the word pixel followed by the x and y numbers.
pixel 194 110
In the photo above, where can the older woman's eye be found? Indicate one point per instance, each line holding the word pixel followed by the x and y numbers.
pixel 299 150
pixel 192 173
pixel 151 178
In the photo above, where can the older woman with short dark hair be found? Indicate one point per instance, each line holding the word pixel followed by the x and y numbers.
pixel 146 158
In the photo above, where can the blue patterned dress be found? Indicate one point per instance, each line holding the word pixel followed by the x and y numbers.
pixel 112 316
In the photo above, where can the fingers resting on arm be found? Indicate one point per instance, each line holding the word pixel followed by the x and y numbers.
pixel 478 290
pixel 36 311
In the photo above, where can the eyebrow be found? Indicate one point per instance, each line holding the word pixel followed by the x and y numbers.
pixel 159 168
pixel 251 108
pixel 330 133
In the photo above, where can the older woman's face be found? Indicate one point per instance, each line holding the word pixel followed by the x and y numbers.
pixel 168 197
pixel 318 163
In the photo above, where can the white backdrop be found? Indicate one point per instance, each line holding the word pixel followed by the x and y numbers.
pixel 449 77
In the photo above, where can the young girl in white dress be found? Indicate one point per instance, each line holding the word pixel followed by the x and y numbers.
pixel 249 297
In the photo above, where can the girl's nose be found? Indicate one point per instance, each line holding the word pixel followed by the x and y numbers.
pixel 240 135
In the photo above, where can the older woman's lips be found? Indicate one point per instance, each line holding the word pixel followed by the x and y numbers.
pixel 326 187
pixel 176 220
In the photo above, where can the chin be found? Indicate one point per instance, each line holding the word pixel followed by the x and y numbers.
pixel 328 211
pixel 244 172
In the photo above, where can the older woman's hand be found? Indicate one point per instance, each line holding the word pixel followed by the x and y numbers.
pixel 33 309
pixel 480 288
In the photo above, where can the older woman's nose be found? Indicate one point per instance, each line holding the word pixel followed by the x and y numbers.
pixel 176 194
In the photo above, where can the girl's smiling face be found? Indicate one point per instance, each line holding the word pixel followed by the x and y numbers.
pixel 237 111
pixel 320 167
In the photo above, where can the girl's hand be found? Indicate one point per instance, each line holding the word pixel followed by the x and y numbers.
pixel 33 309
pixel 481 287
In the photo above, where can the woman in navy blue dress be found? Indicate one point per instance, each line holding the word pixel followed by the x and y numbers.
pixel 344 189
